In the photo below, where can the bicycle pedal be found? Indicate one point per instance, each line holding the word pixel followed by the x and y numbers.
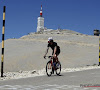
pixel 51 72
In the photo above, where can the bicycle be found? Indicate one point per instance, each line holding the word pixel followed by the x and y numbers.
pixel 52 66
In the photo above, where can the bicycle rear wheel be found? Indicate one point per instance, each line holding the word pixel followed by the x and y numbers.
pixel 58 68
pixel 49 68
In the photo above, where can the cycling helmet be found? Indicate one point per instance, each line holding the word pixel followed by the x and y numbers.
pixel 50 39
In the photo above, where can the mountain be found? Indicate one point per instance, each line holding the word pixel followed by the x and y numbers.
pixel 26 53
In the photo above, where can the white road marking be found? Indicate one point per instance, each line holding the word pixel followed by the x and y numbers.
pixel 44 87
pixel 72 76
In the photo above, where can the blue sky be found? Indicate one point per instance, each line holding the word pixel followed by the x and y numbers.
pixel 21 16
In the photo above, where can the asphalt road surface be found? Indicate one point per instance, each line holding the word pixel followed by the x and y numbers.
pixel 81 80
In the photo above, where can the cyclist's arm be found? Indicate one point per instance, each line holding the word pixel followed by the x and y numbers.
pixel 46 51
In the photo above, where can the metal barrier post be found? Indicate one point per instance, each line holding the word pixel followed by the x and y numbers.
pixel 3 31
pixel 99 50
pixel 97 33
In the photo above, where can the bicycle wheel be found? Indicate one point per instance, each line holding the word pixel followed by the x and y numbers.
pixel 58 68
pixel 49 68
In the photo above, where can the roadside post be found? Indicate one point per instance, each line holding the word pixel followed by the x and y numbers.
pixel 3 32
pixel 97 33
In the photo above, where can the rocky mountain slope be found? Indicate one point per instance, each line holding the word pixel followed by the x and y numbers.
pixel 26 53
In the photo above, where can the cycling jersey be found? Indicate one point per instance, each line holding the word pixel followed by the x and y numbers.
pixel 53 47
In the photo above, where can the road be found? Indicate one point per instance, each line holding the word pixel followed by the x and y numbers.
pixel 67 81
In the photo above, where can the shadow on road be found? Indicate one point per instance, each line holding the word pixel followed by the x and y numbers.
pixel 55 76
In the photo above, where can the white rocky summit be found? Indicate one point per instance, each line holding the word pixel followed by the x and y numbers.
pixel 26 53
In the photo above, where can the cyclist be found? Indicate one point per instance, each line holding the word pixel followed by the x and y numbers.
pixel 55 48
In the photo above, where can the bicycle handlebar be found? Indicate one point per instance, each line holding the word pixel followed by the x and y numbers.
pixel 48 56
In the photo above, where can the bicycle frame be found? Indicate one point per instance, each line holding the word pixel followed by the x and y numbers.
pixel 52 62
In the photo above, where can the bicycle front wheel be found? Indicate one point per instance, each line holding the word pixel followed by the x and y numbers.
pixel 49 68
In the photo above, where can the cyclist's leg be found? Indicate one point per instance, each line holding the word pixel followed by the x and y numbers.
pixel 55 58
pixel 57 53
